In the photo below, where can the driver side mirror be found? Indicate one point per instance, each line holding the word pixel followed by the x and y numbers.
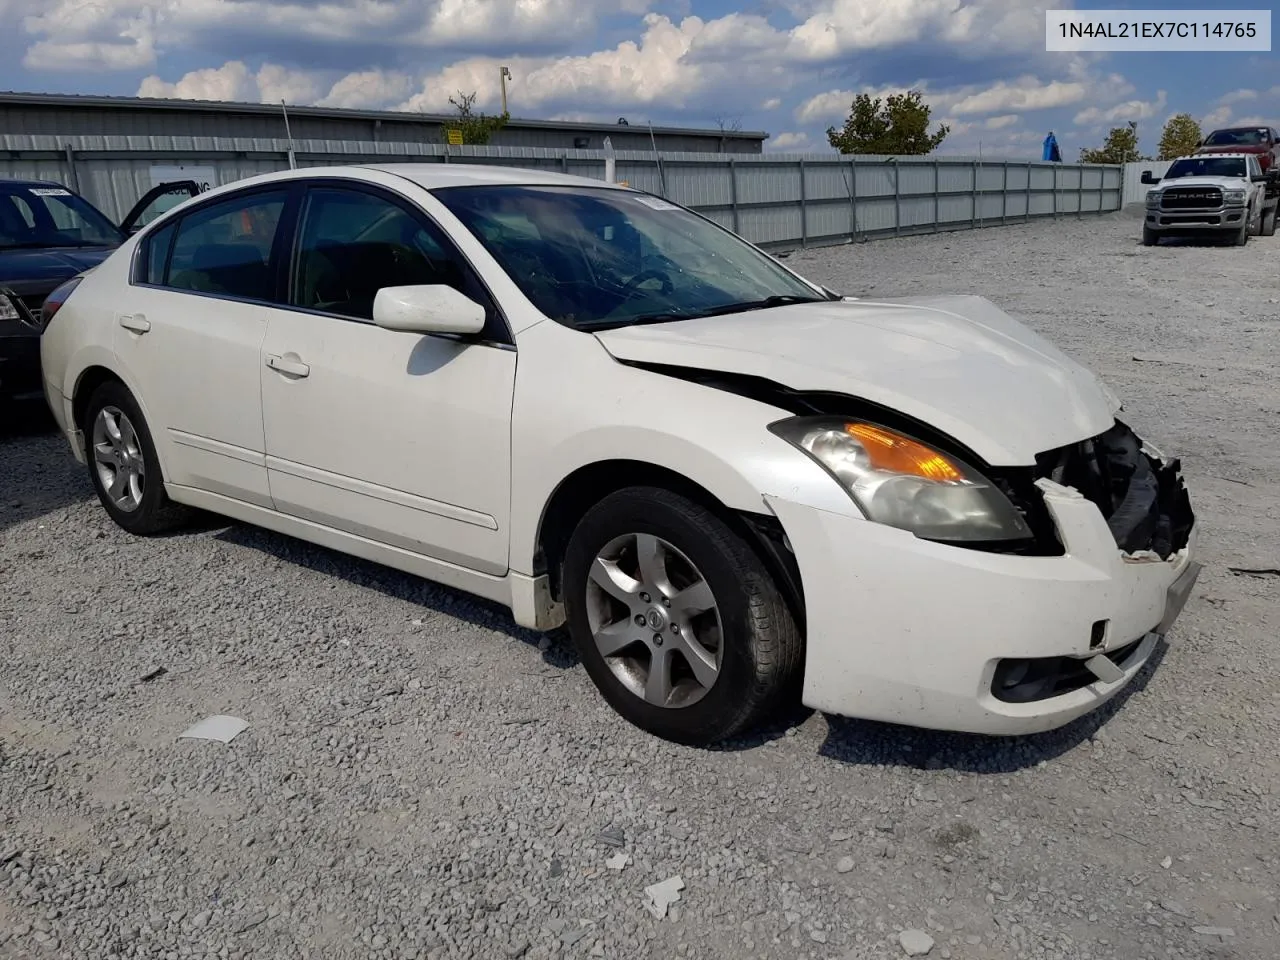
pixel 427 310
pixel 1148 178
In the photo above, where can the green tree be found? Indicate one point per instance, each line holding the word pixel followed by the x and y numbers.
pixel 897 126
pixel 1121 146
pixel 1181 137
pixel 476 128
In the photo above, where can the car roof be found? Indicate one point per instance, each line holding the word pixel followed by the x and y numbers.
pixel 431 176
pixel 1219 156
pixel 24 182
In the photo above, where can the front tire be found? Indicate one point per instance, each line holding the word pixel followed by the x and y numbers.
pixel 676 619
pixel 1149 237
pixel 123 465
pixel 1242 235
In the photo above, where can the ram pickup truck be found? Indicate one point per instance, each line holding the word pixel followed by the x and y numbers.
pixel 1223 194
pixel 1263 141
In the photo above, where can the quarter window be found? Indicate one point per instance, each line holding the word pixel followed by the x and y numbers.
pixel 157 258
pixel 353 244
pixel 226 248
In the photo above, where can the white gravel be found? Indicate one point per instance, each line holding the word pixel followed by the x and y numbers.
pixel 421 779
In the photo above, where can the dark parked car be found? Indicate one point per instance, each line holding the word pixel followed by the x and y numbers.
pixel 49 234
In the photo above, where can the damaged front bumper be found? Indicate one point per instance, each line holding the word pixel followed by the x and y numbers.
pixel 909 631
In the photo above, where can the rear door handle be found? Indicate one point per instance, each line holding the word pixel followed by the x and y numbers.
pixel 135 322
pixel 290 368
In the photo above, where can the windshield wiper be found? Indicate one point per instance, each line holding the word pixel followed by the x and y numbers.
pixel 782 300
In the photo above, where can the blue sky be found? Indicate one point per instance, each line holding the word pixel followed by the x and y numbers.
pixel 788 67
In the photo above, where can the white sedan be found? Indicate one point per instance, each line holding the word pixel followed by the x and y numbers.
pixel 735 487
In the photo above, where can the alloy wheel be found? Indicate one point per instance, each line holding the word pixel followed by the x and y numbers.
pixel 118 458
pixel 655 620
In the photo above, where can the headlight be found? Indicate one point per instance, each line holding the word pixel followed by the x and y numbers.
pixel 1234 198
pixel 7 310
pixel 1153 198
pixel 904 483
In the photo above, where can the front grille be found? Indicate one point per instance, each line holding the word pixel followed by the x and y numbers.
pixel 1191 198
pixel 1143 500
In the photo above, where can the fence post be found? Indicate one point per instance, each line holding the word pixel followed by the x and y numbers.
pixel 1055 193
pixel 937 196
pixel 897 199
pixel 1027 215
pixel 73 173
pixel 1004 194
pixel 853 193
pixel 564 162
pixel 804 210
pixel 973 221
pixel 733 195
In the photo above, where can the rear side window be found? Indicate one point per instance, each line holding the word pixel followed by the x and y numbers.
pixel 157 257
pixel 226 248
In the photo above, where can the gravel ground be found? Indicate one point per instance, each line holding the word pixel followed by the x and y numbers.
pixel 420 778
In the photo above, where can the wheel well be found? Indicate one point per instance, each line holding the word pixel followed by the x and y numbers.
pixel 588 485
pixel 90 380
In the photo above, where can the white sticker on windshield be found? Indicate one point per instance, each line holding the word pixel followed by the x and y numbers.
pixel 50 192
pixel 656 203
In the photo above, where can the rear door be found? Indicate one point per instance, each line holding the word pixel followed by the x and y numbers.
pixel 190 334
pixel 400 438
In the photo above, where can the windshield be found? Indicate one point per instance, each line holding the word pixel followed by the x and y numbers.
pixel 1206 167
pixel 37 215
pixel 1237 138
pixel 596 258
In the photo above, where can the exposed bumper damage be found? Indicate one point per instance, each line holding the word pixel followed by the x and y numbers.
pixel 910 631
pixel 1142 497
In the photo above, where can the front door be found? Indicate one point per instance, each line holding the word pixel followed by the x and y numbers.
pixel 158 200
pixel 400 438
pixel 189 332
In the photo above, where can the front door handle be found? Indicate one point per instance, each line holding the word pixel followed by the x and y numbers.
pixel 135 322
pixel 290 368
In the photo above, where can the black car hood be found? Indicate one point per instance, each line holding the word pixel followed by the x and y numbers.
pixel 40 271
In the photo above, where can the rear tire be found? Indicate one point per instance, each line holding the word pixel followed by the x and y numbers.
pixel 1269 223
pixel 1150 238
pixel 123 465
pixel 720 672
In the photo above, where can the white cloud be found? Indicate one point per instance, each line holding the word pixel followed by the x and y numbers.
pixel 234 81
pixel 1021 95
pixel 789 141
pixel 999 123
pixel 773 103
pixel 1218 117
pixel 1122 112
pixel 1238 96
pixel 368 89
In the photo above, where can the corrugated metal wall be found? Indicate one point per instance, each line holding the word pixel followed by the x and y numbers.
pixel 1135 191
pixel 776 200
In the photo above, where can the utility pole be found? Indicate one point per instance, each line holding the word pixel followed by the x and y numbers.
pixel 293 160
pixel 503 76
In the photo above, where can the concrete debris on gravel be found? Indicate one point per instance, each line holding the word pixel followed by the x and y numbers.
pixel 660 896
pixel 219 729
pixel 915 943
pixel 618 861
pixel 369 826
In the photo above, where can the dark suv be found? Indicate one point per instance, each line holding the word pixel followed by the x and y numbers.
pixel 49 234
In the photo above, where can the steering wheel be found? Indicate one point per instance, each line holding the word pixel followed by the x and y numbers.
pixel 629 288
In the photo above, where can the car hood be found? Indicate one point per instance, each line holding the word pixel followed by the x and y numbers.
pixel 31 271
pixel 957 363
pixel 1226 183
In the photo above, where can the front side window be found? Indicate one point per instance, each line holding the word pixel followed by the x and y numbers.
pixel 1206 167
pixel 352 244
pixel 225 248
pixel 595 258
pixel 33 216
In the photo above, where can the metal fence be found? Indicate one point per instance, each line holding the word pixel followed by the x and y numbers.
pixel 1135 191
pixel 775 200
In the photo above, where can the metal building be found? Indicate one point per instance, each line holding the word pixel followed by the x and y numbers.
pixel 72 115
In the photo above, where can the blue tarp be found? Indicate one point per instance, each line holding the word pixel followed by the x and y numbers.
pixel 1051 152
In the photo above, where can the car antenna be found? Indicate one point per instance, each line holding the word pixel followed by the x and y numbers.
pixel 293 160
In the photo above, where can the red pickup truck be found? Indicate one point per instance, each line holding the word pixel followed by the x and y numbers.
pixel 1264 141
